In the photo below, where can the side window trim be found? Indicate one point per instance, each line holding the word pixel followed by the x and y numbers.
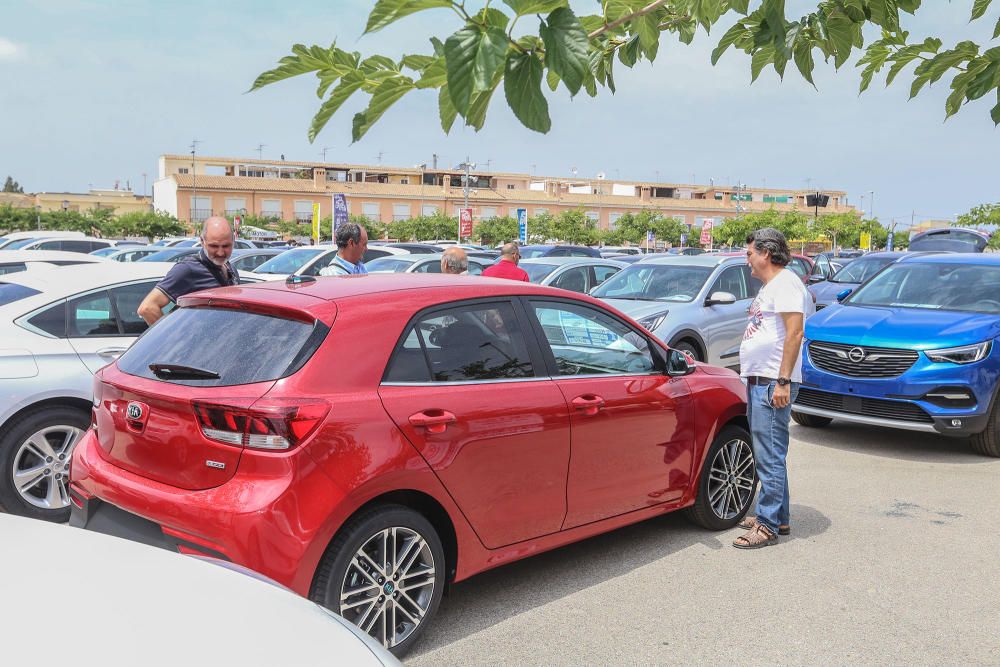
pixel 657 353
pixel 23 320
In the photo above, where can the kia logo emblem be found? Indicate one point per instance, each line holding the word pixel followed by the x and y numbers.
pixel 857 355
pixel 134 411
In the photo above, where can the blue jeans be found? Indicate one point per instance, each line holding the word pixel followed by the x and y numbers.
pixel 769 428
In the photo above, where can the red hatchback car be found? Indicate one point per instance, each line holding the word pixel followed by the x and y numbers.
pixel 366 440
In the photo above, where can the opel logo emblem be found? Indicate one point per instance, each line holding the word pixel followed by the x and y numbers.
pixel 857 355
pixel 134 411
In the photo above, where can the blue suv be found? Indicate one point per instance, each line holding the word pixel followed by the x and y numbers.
pixel 913 348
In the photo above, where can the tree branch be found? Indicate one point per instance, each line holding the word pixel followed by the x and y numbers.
pixel 625 19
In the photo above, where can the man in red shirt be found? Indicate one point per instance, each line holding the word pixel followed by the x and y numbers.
pixel 507 266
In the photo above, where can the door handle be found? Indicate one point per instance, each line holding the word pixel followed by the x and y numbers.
pixel 434 420
pixel 588 404
pixel 114 352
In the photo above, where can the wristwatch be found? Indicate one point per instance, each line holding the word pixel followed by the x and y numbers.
pixel 784 382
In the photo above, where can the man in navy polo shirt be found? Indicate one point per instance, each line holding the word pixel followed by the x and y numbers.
pixel 209 268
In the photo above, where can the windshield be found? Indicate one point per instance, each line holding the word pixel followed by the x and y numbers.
pixel 537 272
pixel 655 282
pixel 532 253
pixel 104 252
pixel 290 261
pixel 388 264
pixel 169 255
pixel 14 245
pixel 962 287
pixel 861 270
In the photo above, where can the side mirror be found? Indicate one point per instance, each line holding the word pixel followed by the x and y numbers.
pixel 843 295
pixel 720 299
pixel 678 364
pixel 816 278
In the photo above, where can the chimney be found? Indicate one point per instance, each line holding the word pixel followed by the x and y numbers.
pixel 644 193
pixel 319 178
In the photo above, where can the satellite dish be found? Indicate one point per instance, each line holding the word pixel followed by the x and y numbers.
pixel 601 175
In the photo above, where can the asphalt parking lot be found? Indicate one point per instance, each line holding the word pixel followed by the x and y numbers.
pixel 892 559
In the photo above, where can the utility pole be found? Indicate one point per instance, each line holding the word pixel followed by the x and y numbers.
pixel 260 151
pixel 871 205
pixel 488 163
pixel 325 149
pixel 380 154
pixel 194 181
pixel 467 166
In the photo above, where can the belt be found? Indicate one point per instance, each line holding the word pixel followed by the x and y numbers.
pixel 759 379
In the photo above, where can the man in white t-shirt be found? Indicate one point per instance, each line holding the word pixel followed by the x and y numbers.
pixel 770 361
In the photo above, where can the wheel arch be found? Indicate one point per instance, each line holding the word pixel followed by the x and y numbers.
pixel 692 336
pixel 54 402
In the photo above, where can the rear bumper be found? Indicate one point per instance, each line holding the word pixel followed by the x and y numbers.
pixel 255 519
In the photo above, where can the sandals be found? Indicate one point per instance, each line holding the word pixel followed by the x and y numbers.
pixel 759 536
pixel 750 522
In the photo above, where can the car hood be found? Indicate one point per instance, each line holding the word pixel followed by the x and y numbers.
pixel 640 309
pixel 826 291
pixel 908 328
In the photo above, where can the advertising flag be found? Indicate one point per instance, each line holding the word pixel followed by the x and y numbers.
pixel 340 216
pixel 522 225
pixel 315 229
pixel 706 231
pixel 465 224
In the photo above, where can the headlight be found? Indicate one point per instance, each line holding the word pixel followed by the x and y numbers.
pixel 965 354
pixel 653 321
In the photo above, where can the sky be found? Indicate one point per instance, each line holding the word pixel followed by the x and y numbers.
pixel 93 92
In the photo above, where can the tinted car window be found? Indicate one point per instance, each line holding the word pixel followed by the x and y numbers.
pixel 861 270
pixel 52 320
pixel 91 315
pixel 602 273
pixel 388 264
pixel 127 299
pixel 732 280
pixel 655 282
pixel 538 272
pixel 587 342
pixel 49 245
pixel 467 343
pixel 82 246
pixel 291 261
pixel 946 286
pixel 277 348
pixel 10 292
pixel 574 280
pixel 12 268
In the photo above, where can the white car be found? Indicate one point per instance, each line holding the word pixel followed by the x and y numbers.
pixel 57 327
pixel 13 261
pixel 309 261
pixel 14 240
pixel 161 608
pixel 576 274
pixel 420 264
pixel 84 244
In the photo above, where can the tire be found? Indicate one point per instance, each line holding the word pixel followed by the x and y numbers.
pixel 34 480
pixel 688 348
pixel 722 502
pixel 811 421
pixel 987 443
pixel 389 620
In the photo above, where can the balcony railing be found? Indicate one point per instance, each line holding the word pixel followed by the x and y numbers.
pixel 200 214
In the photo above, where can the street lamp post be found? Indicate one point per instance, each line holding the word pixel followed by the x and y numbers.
pixel 467 166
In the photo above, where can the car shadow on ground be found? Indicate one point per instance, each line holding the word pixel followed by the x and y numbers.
pixel 890 443
pixel 497 595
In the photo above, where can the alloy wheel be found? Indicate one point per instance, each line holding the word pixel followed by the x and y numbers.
pixel 389 585
pixel 41 466
pixel 731 479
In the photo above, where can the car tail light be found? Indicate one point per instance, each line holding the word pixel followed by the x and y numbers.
pixel 274 424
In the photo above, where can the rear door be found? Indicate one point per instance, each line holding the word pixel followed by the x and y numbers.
pixel 632 425
pixel 467 388
pixel 101 325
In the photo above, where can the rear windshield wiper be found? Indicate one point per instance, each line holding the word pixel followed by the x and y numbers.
pixel 178 372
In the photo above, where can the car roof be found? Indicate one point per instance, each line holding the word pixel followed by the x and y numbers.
pixel 63 281
pixel 562 261
pixel 7 256
pixel 704 259
pixel 240 252
pixel 978 258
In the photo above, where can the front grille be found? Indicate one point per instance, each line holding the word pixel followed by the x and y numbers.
pixel 860 361
pixel 857 405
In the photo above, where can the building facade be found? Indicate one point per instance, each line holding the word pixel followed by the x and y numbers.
pixel 192 189
pixel 119 201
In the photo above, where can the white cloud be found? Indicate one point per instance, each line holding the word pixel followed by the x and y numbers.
pixel 9 50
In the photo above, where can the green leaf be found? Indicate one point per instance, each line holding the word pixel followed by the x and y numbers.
pixel 389 11
pixel 477 109
pixel 566 47
pixel 493 18
pixel 995 113
pixel 840 30
pixel 727 40
pixel 648 29
pixel 347 87
pixel 802 55
pixel 552 79
pixel 470 53
pixel 435 75
pixel 387 94
pixel 628 53
pixel 417 62
pixel 591 23
pixel 446 110
pixel 979 8
pixel 373 63
pixel 524 7
pixel 302 61
pixel 522 87
pixel 996 30
pixel 741 6
pixel 759 60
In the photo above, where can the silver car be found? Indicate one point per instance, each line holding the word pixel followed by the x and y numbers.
pixel 695 303
pixel 420 263
pixel 576 274
pixel 58 327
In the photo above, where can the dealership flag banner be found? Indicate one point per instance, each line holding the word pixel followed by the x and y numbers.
pixel 315 229
pixel 340 216
pixel 706 231
pixel 522 225
pixel 465 224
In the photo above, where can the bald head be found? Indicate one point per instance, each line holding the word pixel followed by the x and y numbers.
pixel 454 260
pixel 510 252
pixel 217 239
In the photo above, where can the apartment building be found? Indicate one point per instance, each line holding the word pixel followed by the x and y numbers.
pixel 192 189
pixel 119 201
